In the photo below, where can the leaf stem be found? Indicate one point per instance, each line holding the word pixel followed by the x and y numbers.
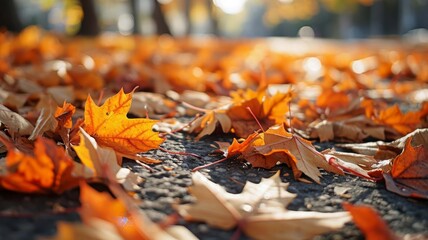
pixel 194 107
pixel 255 118
pixel 180 153
pixel 236 234
pixel 210 164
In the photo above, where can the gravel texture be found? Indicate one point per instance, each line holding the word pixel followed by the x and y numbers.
pixel 24 216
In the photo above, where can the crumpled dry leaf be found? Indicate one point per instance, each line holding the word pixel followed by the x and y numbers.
pixel 46 120
pixel 259 211
pixel 409 174
pixel 419 137
pixel 208 123
pixel 110 126
pixel 303 154
pixel 94 157
pixel 351 129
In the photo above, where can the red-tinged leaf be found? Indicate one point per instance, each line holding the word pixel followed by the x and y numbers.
pixel 409 173
pixel 369 222
pixel 64 115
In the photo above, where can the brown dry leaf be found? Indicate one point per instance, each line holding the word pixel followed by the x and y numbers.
pixel 349 165
pixel 354 129
pixel 391 149
pixel 361 160
pixel 151 104
pixel 94 157
pixel 418 137
pixel 369 222
pixel 208 123
pixel 61 93
pixel 110 126
pixel 307 159
pixel 259 211
pixel 49 170
pixel 13 100
pixel 46 120
pixel 409 174
pixel 15 123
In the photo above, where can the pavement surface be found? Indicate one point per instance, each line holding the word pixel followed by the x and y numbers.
pixel 24 216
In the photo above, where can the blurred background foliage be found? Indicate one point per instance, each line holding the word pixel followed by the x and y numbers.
pixel 225 18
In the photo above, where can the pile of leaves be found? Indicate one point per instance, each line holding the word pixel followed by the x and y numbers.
pixel 72 109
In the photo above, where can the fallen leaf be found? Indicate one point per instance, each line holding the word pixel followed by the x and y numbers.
pixel 64 115
pixel 369 222
pixel 409 174
pixel 15 123
pixel 49 170
pixel 259 211
pixel 331 101
pixel 306 157
pixel 123 220
pixel 355 164
pixel 402 123
pixel 354 129
pixel 268 110
pixel 419 137
pixel 46 120
pixel 110 126
pixel 151 104
pixel 94 157
pixel 208 123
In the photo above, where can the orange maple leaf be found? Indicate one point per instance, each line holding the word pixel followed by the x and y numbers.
pixel 332 101
pixel 110 126
pixel 238 148
pixel 269 110
pixel 63 115
pixel 409 173
pixel 369 222
pixel 403 123
pixel 49 170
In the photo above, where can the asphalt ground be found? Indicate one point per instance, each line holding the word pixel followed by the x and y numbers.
pixel 24 216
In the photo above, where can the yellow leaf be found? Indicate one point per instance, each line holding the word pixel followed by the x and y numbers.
pixel 110 126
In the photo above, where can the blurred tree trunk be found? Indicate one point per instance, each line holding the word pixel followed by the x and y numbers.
pixel 9 18
pixel 212 17
pixel 187 9
pixel 159 18
pixel 89 25
pixel 133 4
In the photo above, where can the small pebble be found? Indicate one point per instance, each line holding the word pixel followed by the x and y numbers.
pixel 323 197
pixel 418 226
